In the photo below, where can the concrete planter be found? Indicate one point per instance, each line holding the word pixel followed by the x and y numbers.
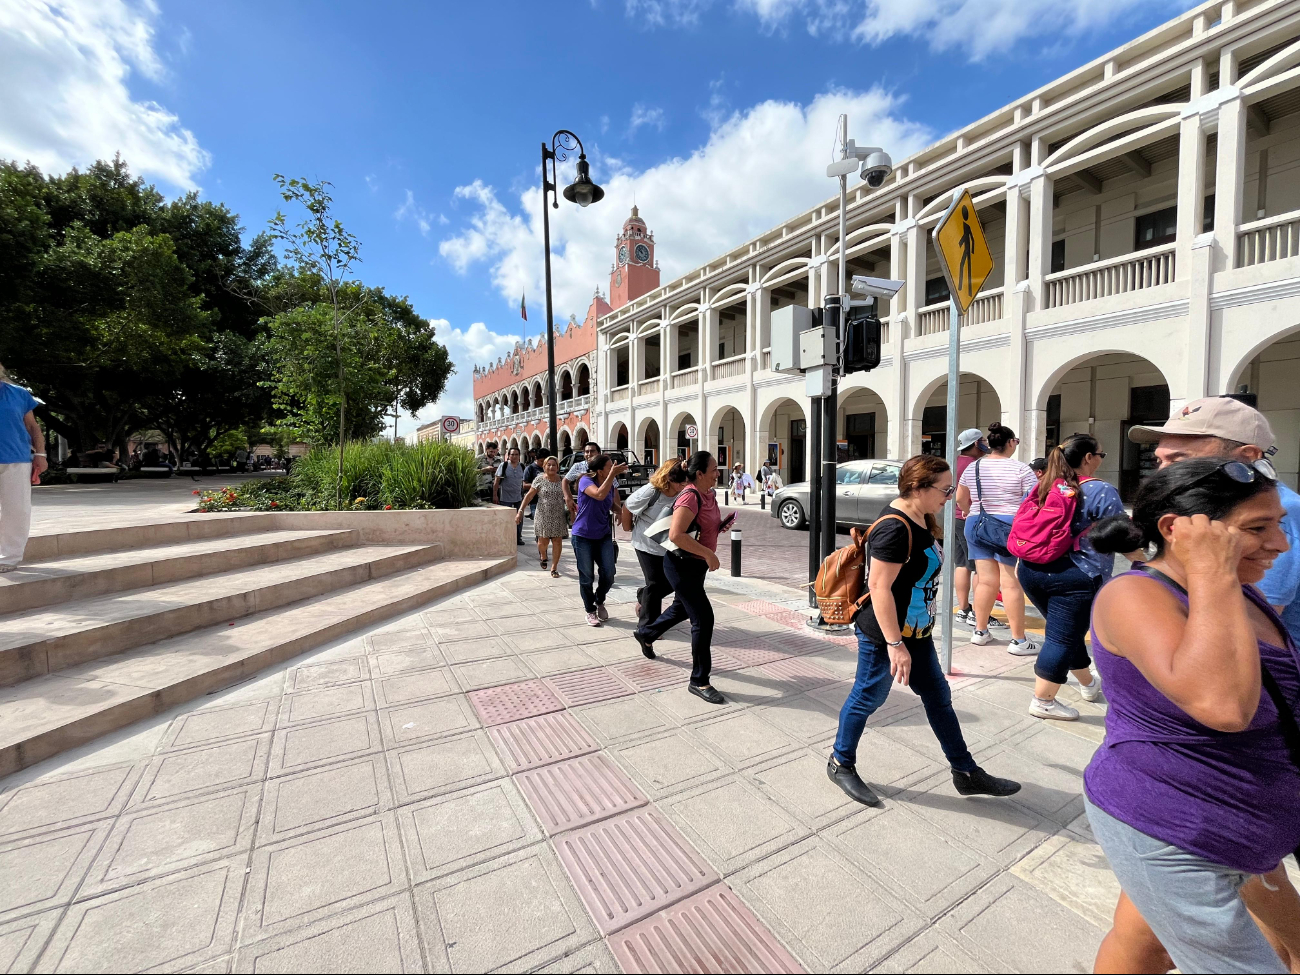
pixel 477 532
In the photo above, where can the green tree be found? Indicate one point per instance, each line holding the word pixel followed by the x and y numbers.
pixel 320 245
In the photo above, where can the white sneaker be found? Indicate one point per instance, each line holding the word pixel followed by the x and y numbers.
pixel 1023 648
pixel 1089 692
pixel 1052 709
pixel 981 637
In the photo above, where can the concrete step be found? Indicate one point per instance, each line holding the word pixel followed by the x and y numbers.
pixel 58 545
pixel 49 714
pixel 59 581
pixel 47 640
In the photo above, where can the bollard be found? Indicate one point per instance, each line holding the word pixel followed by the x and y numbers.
pixel 762 500
pixel 726 497
pixel 735 551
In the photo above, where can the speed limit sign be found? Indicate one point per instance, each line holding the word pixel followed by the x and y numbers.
pixel 692 432
pixel 450 424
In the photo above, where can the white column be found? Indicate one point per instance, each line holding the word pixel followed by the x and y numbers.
pixel 1230 169
pixel 1040 238
pixel 1191 191
pixel 1014 310
pixel 918 244
pixel 897 438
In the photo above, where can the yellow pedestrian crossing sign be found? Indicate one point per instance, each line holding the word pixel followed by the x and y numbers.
pixel 963 251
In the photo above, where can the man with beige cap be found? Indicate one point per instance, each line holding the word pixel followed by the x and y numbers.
pixel 1221 426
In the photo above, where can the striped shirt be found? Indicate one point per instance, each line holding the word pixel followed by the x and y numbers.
pixel 1004 483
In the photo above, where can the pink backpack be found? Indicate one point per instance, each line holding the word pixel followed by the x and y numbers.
pixel 1044 534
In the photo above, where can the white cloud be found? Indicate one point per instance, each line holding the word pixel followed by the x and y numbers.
pixel 758 168
pixel 413 211
pixel 474 345
pixel 982 27
pixel 643 116
pixel 64 69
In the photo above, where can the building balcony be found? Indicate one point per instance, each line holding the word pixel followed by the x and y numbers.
pixel 648 387
pixel 1270 239
pixel 1116 276
pixel 619 393
pixel 728 368
pixel 685 377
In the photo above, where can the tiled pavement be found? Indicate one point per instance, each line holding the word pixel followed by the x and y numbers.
pixel 489 784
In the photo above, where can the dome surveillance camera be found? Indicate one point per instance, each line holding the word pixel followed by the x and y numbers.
pixel 876 167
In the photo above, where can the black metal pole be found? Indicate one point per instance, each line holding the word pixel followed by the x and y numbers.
pixel 814 496
pixel 553 423
pixel 829 405
pixel 735 551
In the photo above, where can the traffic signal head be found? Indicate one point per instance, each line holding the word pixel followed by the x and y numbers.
pixel 861 338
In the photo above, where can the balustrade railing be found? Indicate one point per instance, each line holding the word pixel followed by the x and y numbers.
pixel 726 368
pixel 1270 239
pixel 618 393
pixel 685 377
pixel 647 387
pixel 934 318
pixel 1116 276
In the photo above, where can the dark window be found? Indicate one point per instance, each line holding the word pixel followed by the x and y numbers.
pixel 1053 420
pixel 1207 221
pixel 1154 229
pixel 722 350
pixel 652 357
pixel 934 429
pixel 620 377
pixel 860 434
pixel 683 360
pixel 936 290
pixel 1058 256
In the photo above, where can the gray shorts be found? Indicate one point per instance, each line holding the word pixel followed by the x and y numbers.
pixel 960 549
pixel 1192 905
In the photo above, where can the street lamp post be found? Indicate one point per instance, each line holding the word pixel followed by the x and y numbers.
pixel 583 192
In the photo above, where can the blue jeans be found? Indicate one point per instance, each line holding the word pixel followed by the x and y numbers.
pixel 871 687
pixel 1192 905
pixel 590 553
pixel 1063 593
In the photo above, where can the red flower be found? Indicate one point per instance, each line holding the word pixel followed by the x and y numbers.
pixel 388 507
pixel 196 491
pixel 275 504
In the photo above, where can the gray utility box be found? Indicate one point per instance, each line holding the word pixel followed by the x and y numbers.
pixel 787 323
pixel 817 347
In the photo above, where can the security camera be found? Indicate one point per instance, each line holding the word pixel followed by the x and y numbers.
pixel 875 287
pixel 876 167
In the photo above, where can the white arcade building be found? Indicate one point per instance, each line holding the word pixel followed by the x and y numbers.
pixel 1144 215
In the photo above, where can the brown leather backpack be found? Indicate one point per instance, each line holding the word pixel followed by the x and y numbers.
pixel 841 581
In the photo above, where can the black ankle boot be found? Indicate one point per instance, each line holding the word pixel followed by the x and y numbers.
pixel 846 777
pixel 980 783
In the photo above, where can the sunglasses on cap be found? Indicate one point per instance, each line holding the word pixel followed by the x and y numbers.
pixel 1240 471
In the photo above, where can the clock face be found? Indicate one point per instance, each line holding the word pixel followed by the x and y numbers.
pixel 642 253
pixel 622 254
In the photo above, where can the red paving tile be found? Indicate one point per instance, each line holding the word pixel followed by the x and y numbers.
pixel 800 673
pixel 587 686
pixel 577 792
pixel 539 741
pixel 761 607
pixel 754 656
pixel 630 867
pixel 647 675
pixel 512 702
pixel 713 931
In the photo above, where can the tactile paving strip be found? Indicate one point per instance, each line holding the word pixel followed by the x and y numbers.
pixel 543 740
pixel 753 656
pixel 511 702
pixel 712 931
pixel 794 644
pixel 630 867
pixel 800 673
pixel 587 686
pixel 761 607
pixel 647 675
pixel 577 792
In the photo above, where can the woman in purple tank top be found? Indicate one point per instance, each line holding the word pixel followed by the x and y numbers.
pixel 1196 789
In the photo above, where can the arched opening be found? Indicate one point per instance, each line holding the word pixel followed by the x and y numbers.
pixel 580 438
pixel 526 401
pixel 1269 376
pixel 1104 395
pixel 783 439
pixel 539 398
pixel 619 436
pixel 686 445
pixel 584 380
pixel 728 438
pixel 537 443
pixel 480 412
pixel 566 444
pixel 566 385
pixel 650 442
pixel 863 425
pixel 978 405
pixel 514 402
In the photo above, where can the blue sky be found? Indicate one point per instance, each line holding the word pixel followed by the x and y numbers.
pixel 716 115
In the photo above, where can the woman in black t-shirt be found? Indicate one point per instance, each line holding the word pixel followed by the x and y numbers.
pixel 894 627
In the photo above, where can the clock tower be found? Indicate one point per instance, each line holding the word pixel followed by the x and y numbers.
pixel 634 272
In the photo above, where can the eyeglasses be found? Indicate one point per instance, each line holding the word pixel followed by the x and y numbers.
pixel 948 492
pixel 1101 454
pixel 1237 470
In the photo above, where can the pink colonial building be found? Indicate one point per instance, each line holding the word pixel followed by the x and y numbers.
pixel 510 395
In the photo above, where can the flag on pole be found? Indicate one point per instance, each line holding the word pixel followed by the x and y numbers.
pixel 523 307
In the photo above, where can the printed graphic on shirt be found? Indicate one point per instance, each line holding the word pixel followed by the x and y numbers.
pixel 919 620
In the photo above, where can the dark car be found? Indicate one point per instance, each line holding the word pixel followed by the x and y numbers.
pixel 637 476
pixel 862 490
